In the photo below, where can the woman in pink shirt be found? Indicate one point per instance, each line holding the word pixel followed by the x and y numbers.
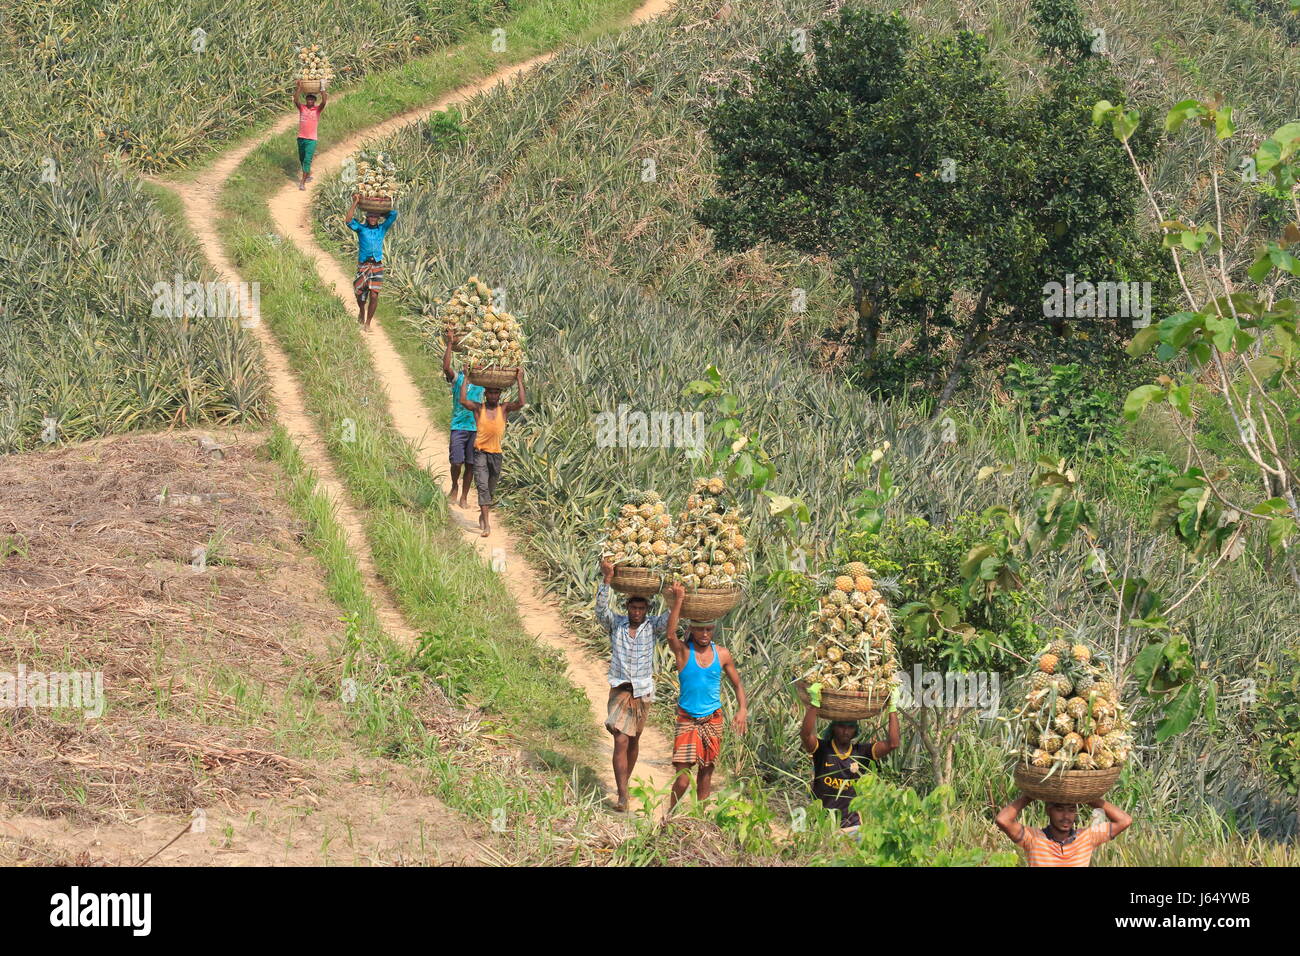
pixel 308 116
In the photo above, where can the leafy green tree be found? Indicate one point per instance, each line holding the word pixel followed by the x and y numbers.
pixel 902 160
pixel 1054 521
pixel 941 626
pixel 1059 27
pixel 1277 725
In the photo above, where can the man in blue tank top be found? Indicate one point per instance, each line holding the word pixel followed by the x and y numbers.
pixel 698 738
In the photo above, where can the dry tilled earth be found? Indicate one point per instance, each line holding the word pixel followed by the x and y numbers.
pixel 221 673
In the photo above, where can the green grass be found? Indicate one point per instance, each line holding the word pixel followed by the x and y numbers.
pixel 534 809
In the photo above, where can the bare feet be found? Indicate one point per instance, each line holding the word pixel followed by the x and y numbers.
pixel 464 501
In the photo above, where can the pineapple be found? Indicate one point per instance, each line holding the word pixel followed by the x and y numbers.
pixel 631 541
pixel 1071 697
pixel 860 655
pixel 713 541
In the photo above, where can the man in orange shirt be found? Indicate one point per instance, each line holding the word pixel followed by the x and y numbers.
pixel 490 424
pixel 1059 843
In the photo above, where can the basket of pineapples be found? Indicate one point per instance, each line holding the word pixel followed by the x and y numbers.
pixel 376 184
pixel 849 670
pixel 638 542
pixel 1070 735
pixel 313 69
pixel 466 307
pixel 494 350
pixel 710 554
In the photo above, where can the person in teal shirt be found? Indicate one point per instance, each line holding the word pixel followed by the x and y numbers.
pixel 463 429
pixel 370 259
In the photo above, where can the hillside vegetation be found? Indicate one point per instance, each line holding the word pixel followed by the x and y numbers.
pixel 627 303
pixel 95 94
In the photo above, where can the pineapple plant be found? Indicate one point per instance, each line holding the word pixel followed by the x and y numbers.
pixel 1071 717
pixel 851 633
pixel 709 541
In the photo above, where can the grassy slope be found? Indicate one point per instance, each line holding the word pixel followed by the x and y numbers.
pixel 590 327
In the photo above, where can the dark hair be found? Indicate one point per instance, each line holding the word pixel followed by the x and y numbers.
pixel 638 599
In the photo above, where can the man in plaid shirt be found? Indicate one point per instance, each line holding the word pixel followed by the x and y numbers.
pixel 632 638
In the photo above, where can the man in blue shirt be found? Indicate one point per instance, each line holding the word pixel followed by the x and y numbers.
pixel 370 259
pixel 463 429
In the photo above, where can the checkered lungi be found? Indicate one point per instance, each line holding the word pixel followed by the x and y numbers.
pixel 626 713
pixel 698 740
pixel 370 278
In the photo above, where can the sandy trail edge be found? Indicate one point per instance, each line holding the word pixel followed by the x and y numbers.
pixel 291 210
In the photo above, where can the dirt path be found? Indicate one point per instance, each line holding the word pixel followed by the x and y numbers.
pixel 291 209
pixel 200 198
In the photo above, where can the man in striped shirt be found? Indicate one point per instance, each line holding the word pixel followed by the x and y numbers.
pixel 1060 843
pixel 632 638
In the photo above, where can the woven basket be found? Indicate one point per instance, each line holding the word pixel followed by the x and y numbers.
pixel 311 86
pixel 491 377
pixel 844 704
pixel 639 582
pixel 709 604
pixel 1065 786
pixel 375 204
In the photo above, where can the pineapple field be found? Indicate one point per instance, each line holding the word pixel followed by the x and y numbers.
pixel 1061 558
pixel 616 275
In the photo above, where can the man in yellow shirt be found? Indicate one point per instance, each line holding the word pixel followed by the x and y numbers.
pixel 490 424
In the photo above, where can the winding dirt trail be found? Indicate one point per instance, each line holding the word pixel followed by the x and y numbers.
pixel 291 210
pixel 200 198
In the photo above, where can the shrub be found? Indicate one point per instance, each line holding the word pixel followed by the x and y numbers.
pixel 1062 408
